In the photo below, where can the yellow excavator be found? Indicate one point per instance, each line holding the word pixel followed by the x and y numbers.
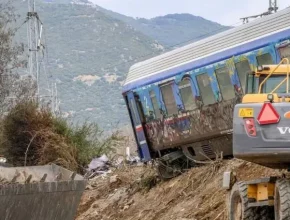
pixel 261 135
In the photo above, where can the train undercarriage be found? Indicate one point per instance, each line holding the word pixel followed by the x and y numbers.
pixel 173 163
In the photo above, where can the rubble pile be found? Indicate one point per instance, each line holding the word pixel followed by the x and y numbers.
pixel 135 192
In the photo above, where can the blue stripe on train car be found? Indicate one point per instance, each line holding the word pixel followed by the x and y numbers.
pixel 143 146
pixel 145 152
pixel 244 48
pixel 140 135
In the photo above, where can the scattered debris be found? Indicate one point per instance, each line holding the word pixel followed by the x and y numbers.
pixel 98 163
pixel 3 162
pixel 139 194
pixel 3 159
pixel 98 166
pixel 102 166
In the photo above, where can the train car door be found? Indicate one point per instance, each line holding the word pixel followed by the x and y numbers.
pixel 138 120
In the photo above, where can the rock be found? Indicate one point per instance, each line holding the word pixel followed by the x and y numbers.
pixel 126 207
pixel 130 202
pixel 95 206
pixel 118 195
pixel 113 179
pixel 89 187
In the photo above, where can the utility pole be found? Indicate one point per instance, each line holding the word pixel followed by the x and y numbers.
pixel 273 7
pixel 36 59
pixel 34 32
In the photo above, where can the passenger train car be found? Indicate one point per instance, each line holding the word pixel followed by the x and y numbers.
pixel 181 102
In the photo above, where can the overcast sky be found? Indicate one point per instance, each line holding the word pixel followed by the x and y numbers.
pixel 225 12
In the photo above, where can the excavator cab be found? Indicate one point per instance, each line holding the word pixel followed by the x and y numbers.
pixel 261 123
pixel 267 82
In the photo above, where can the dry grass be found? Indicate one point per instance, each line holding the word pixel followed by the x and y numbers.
pixel 30 135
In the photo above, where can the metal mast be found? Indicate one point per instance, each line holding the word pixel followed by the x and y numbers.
pixel 34 37
pixel 45 91
pixel 272 8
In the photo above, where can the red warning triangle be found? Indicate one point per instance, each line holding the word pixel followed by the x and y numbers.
pixel 268 115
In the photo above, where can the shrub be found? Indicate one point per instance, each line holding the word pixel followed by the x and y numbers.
pixel 31 135
pixel 88 140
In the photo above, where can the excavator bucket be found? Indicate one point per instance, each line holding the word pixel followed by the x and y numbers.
pixel 39 193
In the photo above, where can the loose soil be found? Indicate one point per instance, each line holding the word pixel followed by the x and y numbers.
pixel 136 193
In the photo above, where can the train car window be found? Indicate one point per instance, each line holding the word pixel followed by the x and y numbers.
pixel 243 69
pixel 155 104
pixel 186 94
pixel 168 98
pixel 225 84
pixel 205 89
pixel 265 59
pixel 285 52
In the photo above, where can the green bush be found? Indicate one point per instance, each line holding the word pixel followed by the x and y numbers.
pixel 31 135
pixel 88 140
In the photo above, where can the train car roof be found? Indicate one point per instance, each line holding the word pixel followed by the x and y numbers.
pixel 238 40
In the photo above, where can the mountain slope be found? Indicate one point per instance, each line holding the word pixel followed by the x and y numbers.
pixel 173 29
pixel 182 28
pixel 90 50
pixel 89 55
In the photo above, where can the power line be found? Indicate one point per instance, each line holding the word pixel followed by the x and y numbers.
pixel 20 26
pixel 272 8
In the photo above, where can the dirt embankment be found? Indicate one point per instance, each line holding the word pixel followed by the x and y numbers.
pixel 133 194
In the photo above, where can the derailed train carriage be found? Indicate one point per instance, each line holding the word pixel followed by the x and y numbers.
pixel 181 103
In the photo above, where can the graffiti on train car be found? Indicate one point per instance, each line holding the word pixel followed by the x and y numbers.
pixel 192 126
